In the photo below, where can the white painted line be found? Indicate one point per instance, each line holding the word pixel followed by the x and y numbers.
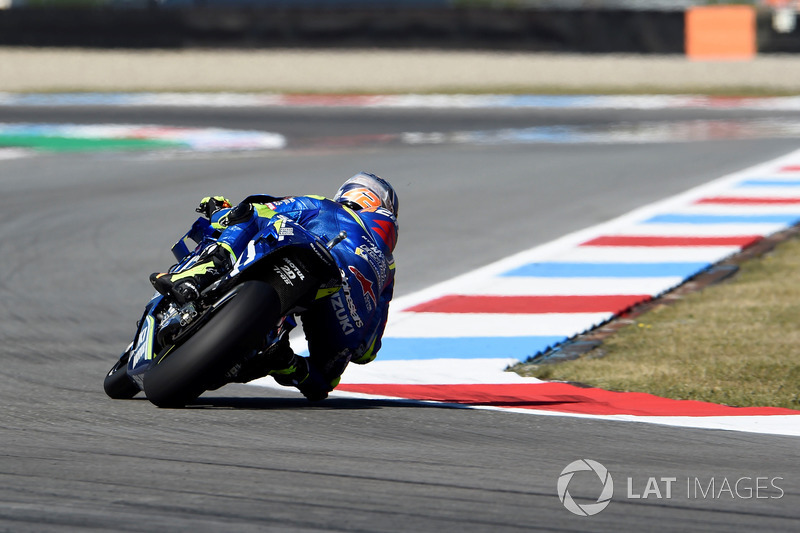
pixel 461 325
pixel 645 254
pixel 740 209
pixel 532 286
pixel 787 425
pixel 764 192
pixel 14 153
pixel 443 371
pixel 697 230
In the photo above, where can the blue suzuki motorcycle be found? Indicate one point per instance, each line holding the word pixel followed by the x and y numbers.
pixel 180 351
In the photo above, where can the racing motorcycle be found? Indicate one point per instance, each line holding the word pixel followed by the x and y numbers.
pixel 181 350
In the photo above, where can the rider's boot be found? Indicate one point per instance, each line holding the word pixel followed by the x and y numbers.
pixel 305 377
pixel 288 369
pixel 186 286
pixel 293 372
pixel 277 357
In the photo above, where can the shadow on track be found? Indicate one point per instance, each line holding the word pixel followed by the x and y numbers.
pixel 290 404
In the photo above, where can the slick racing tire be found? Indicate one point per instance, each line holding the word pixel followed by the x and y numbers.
pixel 235 330
pixel 118 384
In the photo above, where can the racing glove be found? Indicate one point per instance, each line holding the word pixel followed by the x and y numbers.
pixel 211 204
pixel 240 213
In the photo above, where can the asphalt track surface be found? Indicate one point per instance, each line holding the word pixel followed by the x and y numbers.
pixel 82 232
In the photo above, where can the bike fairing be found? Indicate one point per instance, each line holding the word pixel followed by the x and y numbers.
pixel 155 337
pixel 254 268
pixel 366 264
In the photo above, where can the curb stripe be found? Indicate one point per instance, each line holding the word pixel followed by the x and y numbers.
pixel 644 254
pixel 561 397
pixel 624 240
pixel 572 286
pixel 44 137
pixel 419 348
pixel 769 183
pixel 530 304
pixel 607 270
pixel 433 101
pixel 476 325
pixel 734 200
pixel 670 218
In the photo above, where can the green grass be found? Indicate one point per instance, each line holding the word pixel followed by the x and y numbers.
pixel 734 343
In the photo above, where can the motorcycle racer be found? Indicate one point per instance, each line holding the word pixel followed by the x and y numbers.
pixel 345 327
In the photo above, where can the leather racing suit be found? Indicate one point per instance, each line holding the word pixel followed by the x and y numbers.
pixel 347 326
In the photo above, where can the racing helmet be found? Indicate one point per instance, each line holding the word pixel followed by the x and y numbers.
pixel 365 190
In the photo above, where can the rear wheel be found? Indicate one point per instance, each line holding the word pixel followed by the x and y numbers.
pixel 118 384
pixel 199 363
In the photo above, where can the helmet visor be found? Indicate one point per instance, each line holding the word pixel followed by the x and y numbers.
pixel 367 191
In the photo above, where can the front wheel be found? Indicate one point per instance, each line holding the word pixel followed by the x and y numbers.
pixel 235 330
pixel 118 384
